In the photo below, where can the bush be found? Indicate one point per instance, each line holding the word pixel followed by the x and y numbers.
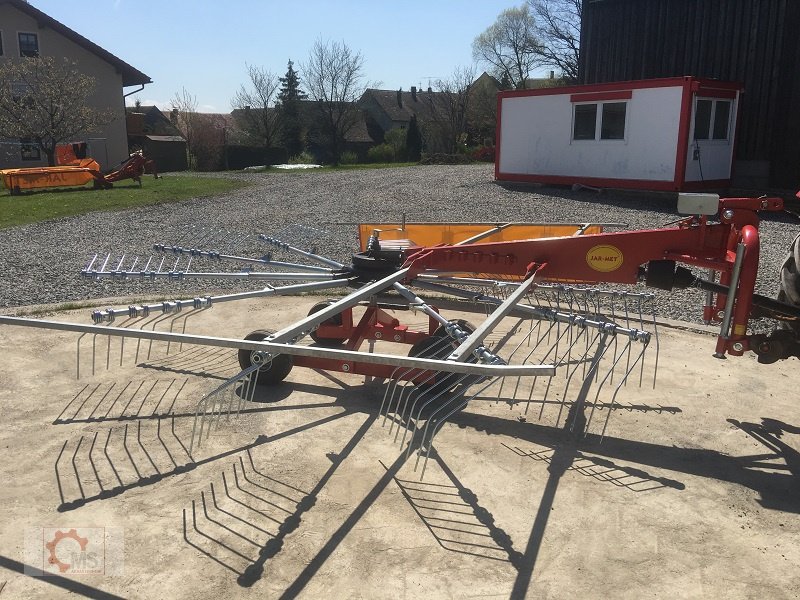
pixel 304 158
pixel 383 153
pixel 483 153
pixel 348 158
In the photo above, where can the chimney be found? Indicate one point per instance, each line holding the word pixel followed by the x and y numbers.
pixel 173 116
pixel 400 97
pixel 247 108
pixel 414 93
pixel 552 74
pixel 429 89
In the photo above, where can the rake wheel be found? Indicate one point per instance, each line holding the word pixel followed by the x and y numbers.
pixel 273 373
pixel 334 320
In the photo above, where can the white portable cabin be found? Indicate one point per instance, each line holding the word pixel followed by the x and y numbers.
pixel 658 134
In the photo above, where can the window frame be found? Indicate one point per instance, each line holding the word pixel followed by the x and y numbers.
pixel 712 124
pixel 1 43
pixel 27 143
pixel 19 44
pixel 598 121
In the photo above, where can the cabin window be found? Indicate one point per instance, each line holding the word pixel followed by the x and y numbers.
pixel 28 45
pixel 610 126
pixel 585 122
pixel 613 123
pixel 29 150
pixel 712 119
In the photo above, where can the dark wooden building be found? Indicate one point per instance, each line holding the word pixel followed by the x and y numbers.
pixel 754 42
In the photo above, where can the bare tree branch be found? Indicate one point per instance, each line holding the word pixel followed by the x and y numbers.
pixel 449 110
pixel 259 117
pixel 558 25
pixel 333 74
pixel 184 104
pixel 510 46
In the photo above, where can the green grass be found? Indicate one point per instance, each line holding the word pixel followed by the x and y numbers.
pixel 40 205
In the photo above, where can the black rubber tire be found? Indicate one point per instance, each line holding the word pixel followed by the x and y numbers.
pixel 790 281
pixel 278 369
pixel 335 320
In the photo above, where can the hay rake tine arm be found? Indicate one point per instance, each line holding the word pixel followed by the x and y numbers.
pixel 266 261
pixel 145 310
pixel 309 255
pixel 181 275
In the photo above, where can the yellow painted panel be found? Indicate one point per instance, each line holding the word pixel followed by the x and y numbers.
pixel 433 234
pixel 40 177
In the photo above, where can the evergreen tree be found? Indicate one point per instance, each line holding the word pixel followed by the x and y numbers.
pixel 289 98
pixel 413 140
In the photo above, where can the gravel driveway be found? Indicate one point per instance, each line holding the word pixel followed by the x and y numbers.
pixel 41 262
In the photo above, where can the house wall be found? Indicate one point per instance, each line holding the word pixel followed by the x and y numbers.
pixel 536 139
pixel 110 142
pixel 750 41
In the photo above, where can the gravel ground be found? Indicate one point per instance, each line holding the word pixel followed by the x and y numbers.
pixel 41 262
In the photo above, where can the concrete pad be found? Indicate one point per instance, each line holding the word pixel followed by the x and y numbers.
pixel 692 492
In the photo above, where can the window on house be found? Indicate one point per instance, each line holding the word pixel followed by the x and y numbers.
pixel 712 119
pixel 585 122
pixel 610 127
pixel 28 45
pixel 29 150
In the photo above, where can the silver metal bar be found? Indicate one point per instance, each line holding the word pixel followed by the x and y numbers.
pixel 273 347
pixel 309 255
pixel 218 256
pixel 488 325
pixel 307 324
pixel 484 234
pixel 418 303
pixel 727 317
pixel 180 275
pixel 110 314
pixel 712 276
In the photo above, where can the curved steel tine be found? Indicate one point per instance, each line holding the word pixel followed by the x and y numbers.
pixel 392 382
pixel 600 387
pixel 441 421
pixel 616 391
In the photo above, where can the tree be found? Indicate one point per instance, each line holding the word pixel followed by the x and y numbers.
pixel 449 109
pixel 184 108
pixel 510 46
pixel 558 25
pixel 255 103
pixel 45 101
pixel 334 74
pixel 288 105
pixel 413 140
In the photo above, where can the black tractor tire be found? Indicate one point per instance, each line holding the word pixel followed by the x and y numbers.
pixel 274 372
pixel 790 282
pixel 335 320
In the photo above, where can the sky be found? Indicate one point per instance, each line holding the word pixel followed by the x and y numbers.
pixel 204 46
